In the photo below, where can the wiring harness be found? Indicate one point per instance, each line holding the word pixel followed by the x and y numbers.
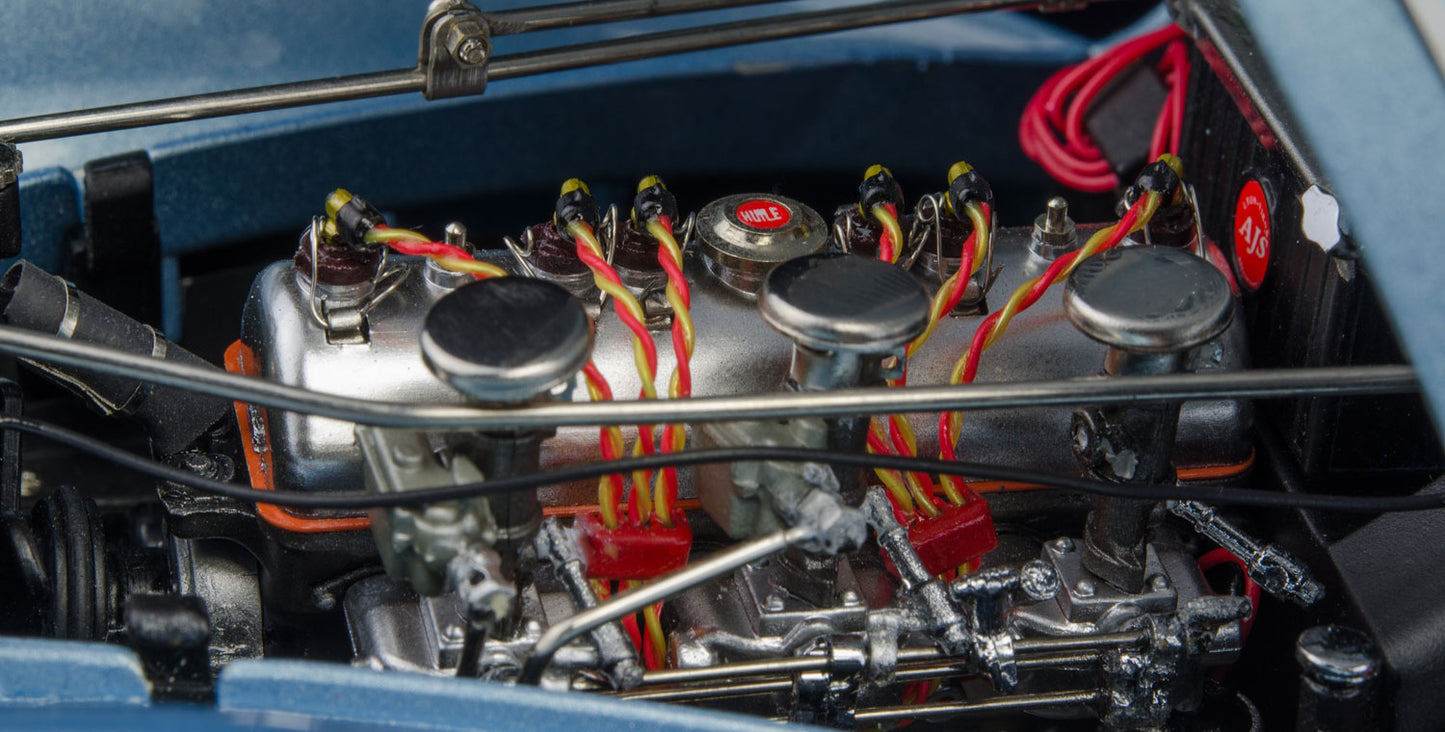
pixel 1051 130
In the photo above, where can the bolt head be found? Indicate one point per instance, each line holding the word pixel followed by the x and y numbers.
pixel 851 598
pixel 775 603
pixel 1062 545
pixel 407 456
pixel 454 633
pixel 1158 583
pixel 473 51
pixel 1084 588
pixel 1038 580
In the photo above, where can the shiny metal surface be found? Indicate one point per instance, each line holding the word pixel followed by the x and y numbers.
pixel 994 705
pixel 319 453
pixel 1337 655
pixel 509 339
pixel 741 253
pixel 842 302
pixel 662 588
pixel 1148 299
pixel 739 367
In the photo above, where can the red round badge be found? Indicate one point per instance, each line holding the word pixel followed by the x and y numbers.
pixel 760 213
pixel 1251 234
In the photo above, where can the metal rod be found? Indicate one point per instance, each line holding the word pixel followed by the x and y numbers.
pixel 757 30
pixel 571 15
pixel 1055 651
pixel 794 665
pixel 213 104
pixel 1028 646
pixel 401 81
pixel 629 602
pixel 960 667
pixel 1020 703
pixel 1333 381
pixel 720 691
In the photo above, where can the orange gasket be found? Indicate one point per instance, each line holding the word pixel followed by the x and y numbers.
pixel 256 442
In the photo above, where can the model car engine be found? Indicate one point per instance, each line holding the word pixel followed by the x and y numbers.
pixel 857 462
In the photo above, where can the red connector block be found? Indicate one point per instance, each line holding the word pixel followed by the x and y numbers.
pixel 959 534
pixel 633 552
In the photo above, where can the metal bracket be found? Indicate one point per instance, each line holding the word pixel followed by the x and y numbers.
pixel 456 44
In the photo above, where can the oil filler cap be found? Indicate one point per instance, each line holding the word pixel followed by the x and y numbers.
pixel 744 236
pixel 844 302
pixel 506 340
pixel 1148 299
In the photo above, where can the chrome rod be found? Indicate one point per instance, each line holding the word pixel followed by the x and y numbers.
pixel 717 691
pixel 213 104
pixel 1020 703
pixel 736 670
pixel 591 12
pixel 631 601
pixel 401 81
pixel 1264 384
pixel 757 30
pixel 1027 646
pixel 960 667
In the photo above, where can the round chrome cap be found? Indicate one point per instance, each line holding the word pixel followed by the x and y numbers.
pixel 1335 654
pixel 509 339
pixel 1148 299
pixel 742 237
pixel 844 302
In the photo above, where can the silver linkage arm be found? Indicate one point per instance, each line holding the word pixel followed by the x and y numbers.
pixel 1279 573
pixel 632 601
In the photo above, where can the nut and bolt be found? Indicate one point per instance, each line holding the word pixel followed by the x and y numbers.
pixel 473 51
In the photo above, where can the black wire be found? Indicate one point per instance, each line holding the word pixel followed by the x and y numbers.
pixel 1219 496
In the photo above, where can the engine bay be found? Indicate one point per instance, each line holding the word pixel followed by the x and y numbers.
pixel 1110 430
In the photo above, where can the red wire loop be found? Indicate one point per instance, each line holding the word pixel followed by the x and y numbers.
pixel 1051 130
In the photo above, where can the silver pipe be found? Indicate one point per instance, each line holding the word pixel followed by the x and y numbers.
pixel 212 104
pixel 737 33
pixel 1078 643
pixel 995 705
pixel 401 81
pixel 1056 650
pixel 570 15
pixel 769 667
pixel 720 691
pixel 1264 384
pixel 960 667
pixel 631 601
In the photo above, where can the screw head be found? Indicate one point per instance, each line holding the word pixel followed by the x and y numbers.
pixel 851 598
pixel 454 632
pixel 473 51
pixel 1062 545
pixel 1158 583
pixel 775 603
pixel 1084 588
pixel 1038 580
